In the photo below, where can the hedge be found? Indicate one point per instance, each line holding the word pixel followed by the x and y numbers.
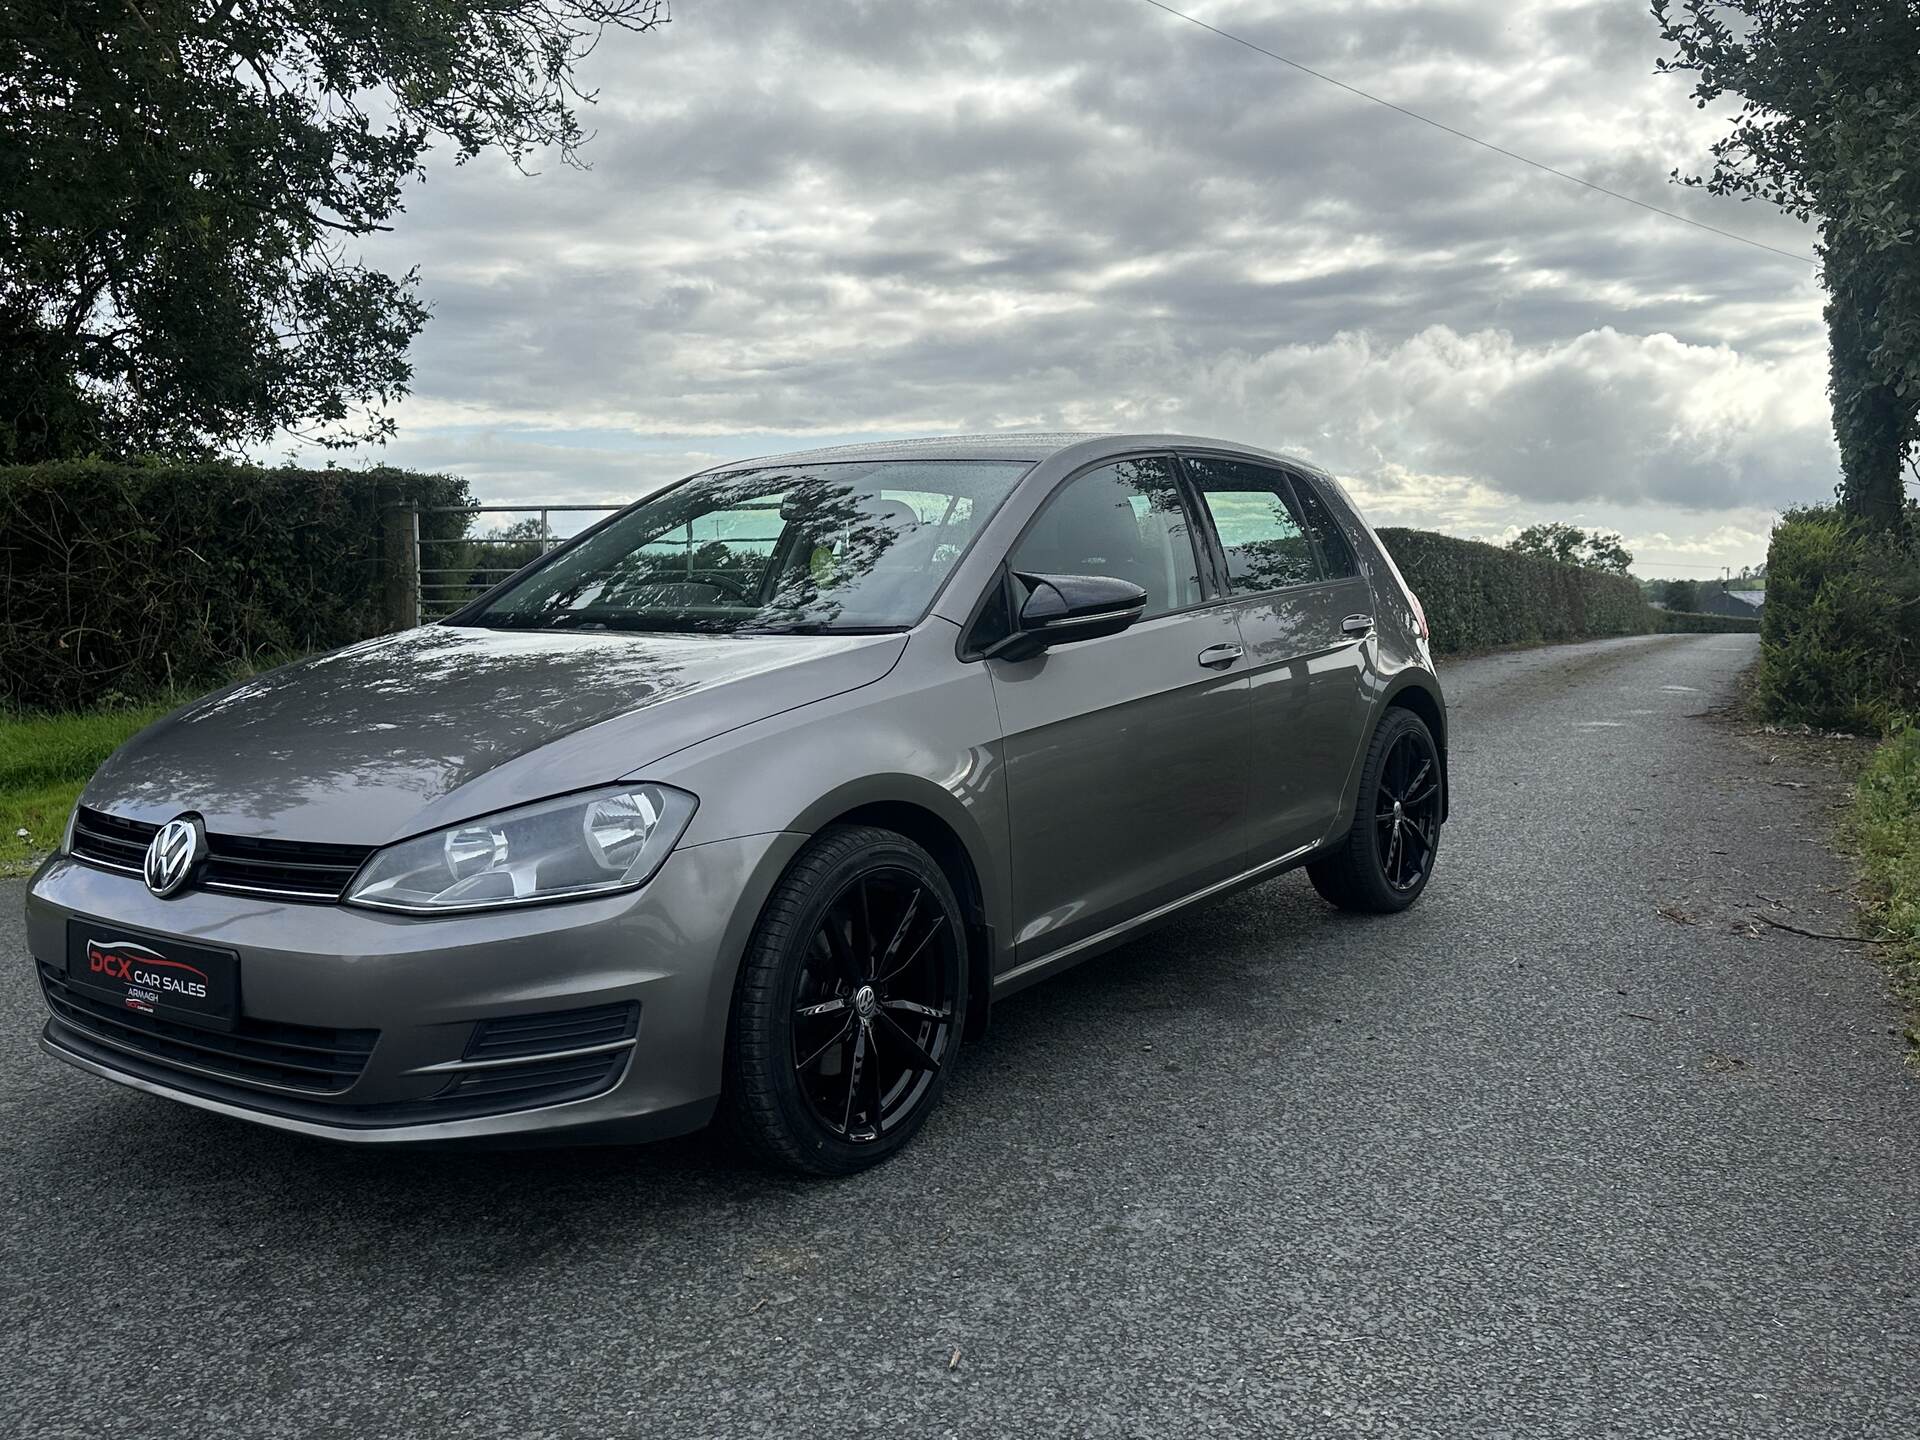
pixel 1840 636
pixel 1478 596
pixel 1703 622
pixel 131 579
pixel 1885 831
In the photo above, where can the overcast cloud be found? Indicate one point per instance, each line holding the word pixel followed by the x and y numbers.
pixel 810 223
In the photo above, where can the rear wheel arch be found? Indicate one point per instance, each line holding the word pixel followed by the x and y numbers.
pixel 1425 703
pixel 1382 861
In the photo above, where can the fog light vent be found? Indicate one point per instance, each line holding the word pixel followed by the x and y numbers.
pixel 553 1032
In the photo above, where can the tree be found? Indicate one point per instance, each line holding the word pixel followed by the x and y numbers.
pixel 1598 550
pixel 180 181
pixel 1680 594
pixel 1605 552
pixel 1829 128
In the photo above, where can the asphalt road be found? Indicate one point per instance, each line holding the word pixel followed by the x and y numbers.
pixel 1530 1160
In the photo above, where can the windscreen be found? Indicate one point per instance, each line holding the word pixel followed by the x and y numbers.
pixel 807 549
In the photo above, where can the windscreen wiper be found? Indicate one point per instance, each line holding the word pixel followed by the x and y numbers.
pixel 819 628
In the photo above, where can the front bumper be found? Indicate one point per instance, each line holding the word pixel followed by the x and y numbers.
pixel 408 1000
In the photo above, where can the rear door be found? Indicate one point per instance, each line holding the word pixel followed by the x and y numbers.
pixel 1126 757
pixel 1304 613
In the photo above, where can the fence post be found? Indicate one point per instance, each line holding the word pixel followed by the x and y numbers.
pixel 400 536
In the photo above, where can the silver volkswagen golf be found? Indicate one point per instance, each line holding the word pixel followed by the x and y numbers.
pixel 751 800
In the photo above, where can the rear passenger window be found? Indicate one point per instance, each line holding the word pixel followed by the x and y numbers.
pixel 1329 540
pixel 1261 531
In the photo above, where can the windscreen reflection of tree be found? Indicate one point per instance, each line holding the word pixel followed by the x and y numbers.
pixel 677 584
pixel 713 564
pixel 829 541
pixel 834 544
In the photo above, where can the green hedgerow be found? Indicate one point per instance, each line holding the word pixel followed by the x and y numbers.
pixel 1478 596
pixel 1840 636
pixel 1886 831
pixel 139 579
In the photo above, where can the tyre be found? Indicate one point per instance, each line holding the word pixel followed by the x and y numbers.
pixel 850 1004
pixel 1386 858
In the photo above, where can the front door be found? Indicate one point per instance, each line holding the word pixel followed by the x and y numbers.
pixel 1126 756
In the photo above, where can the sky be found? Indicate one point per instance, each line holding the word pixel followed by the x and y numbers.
pixel 875 218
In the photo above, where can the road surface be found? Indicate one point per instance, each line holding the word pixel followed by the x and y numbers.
pixel 1533 1159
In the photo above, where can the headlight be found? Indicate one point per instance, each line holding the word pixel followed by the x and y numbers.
pixel 586 844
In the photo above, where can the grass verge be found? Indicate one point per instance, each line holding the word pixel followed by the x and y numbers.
pixel 45 760
pixel 1886 835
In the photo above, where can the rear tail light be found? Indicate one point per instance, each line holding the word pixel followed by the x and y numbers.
pixel 1419 615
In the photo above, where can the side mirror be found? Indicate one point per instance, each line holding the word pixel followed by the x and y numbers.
pixel 1063 608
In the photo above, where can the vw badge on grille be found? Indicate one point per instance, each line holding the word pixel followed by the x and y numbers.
pixel 179 845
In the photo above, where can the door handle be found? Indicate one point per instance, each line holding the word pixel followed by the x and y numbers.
pixel 1219 657
pixel 1357 624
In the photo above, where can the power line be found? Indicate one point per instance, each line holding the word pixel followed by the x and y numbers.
pixel 1475 139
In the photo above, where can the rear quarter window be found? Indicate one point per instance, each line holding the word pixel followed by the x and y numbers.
pixel 1330 542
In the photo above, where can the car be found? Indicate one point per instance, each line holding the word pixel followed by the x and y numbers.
pixel 752 800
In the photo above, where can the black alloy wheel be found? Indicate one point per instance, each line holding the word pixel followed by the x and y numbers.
pixel 874 1018
pixel 1407 810
pixel 1387 856
pixel 850 1005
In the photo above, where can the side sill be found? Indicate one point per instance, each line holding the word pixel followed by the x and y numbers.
pixel 1067 956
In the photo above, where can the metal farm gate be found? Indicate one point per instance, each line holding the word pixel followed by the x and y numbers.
pixel 431 576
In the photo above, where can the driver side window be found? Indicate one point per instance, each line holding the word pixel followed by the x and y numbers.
pixel 1123 520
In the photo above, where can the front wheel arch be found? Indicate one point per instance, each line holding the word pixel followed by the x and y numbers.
pixel 950 853
pixel 770 1102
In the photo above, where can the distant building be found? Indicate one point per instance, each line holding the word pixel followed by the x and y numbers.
pixel 1731 602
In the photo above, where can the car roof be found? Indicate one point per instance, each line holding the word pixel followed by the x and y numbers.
pixel 1030 446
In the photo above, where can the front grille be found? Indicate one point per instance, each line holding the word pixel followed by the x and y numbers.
pixel 260 1052
pixel 281 867
pixel 556 1030
pixel 109 840
pixel 240 864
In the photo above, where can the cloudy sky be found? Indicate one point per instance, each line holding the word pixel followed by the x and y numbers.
pixel 872 218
